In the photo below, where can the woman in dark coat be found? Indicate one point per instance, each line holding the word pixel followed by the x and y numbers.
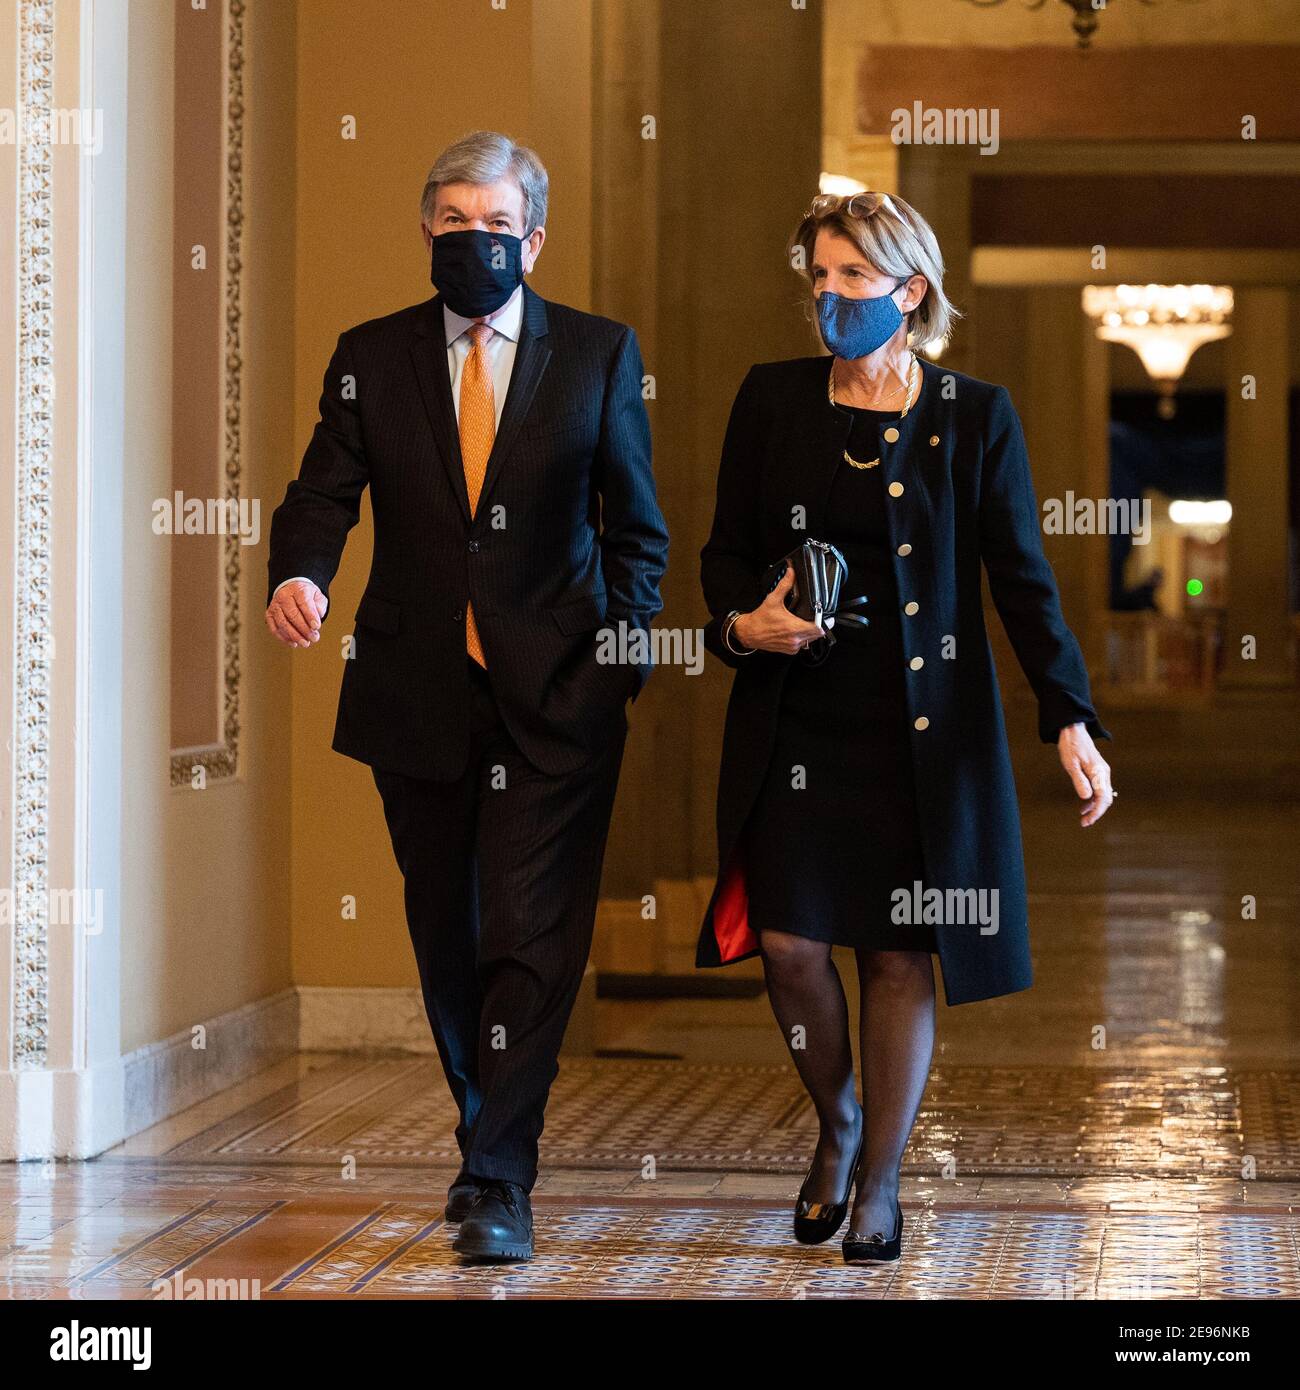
pixel 866 796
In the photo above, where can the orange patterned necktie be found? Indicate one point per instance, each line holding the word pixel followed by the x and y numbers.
pixel 478 428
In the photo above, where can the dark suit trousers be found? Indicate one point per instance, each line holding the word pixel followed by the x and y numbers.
pixel 502 874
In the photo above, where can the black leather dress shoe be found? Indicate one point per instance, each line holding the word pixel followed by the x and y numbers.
pixel 499 1226
pixel 461 1195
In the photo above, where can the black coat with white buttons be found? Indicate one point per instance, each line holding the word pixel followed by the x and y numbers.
pixel 957 476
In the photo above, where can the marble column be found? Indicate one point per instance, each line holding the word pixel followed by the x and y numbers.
pixel 936 180
pixel 63 367
pixel 708 148
pixel 1064 411
pixel 624 255
pixel 1258 360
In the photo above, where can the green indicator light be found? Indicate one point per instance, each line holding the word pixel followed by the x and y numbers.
pixel 1194 587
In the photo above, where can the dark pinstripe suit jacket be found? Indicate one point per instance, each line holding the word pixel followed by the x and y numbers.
pixel 567 537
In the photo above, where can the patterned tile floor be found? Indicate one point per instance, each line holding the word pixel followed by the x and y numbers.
pixel 119 1229
pixel 1129 1128
pixel 622 1115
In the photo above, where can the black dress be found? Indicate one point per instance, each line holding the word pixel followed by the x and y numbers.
pixel 835 829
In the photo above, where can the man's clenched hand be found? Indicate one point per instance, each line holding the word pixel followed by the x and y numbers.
pixel 295 613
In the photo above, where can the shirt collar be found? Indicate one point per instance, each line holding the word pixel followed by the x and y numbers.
pixel 507 320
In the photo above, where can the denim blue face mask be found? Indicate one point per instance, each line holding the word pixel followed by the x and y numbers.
pixel 855 327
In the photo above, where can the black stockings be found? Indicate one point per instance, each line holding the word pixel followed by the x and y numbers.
pixel 897 1040
pixel 809 1004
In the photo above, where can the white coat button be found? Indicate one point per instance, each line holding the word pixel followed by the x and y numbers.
pixel 917 662
pixel 905 549
pixel 910 608
pixel 895 489
pixel 891 435
pixel 922 723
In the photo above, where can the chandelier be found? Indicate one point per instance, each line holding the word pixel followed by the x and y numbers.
pixel 1086 14
pixel 1163 324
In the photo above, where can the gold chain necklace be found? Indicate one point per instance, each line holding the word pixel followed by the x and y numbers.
pixel 907 405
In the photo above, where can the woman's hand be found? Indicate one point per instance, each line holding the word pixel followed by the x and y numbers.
pixel 1087 769
pixel 771 627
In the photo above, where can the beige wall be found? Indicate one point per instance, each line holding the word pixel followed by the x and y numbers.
pixel 233 893
pixel 205 877
pixel 414 81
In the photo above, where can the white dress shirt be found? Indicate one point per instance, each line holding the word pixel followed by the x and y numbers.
pixel 501 348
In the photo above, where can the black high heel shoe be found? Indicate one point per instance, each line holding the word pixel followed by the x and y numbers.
pixel 815 1222
pixel 874 1249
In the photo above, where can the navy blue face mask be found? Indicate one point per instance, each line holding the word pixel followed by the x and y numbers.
pixel 855 327
pixel 476 272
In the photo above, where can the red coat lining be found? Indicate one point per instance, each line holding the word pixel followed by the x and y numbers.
pixel 731 929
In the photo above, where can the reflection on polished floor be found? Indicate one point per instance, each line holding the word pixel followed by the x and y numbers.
pixel 1129 1128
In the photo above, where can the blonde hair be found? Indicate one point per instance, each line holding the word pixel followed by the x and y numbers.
pixel 895 239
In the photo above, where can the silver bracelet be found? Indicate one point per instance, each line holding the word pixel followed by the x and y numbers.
pixel 726 635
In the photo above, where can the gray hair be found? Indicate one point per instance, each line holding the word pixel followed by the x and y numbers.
pixel 485 157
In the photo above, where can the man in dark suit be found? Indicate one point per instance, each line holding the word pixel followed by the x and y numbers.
pixel 507 451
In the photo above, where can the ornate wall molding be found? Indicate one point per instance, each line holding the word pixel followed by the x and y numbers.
pixel 33 540
pixel 222 760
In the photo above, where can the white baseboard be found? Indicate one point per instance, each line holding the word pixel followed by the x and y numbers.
pixel 77 1114
pixel 166 1077
pixel 51 1114
pixel 353 1019
pixel 60 1114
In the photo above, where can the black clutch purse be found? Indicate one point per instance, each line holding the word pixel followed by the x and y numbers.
pixel 819 573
